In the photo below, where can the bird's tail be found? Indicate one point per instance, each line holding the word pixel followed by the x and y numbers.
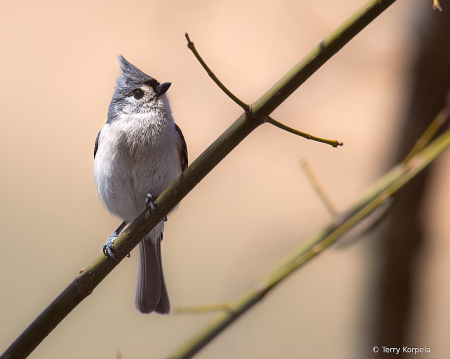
pixel 151 292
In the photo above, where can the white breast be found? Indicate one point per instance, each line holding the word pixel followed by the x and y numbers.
pixel 133 159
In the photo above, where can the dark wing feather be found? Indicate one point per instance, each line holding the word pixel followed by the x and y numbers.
pixel 96 143
pixel 182 149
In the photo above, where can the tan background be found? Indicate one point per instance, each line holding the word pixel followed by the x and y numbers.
pixel 57 74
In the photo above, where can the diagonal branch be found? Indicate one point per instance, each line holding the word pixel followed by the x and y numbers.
pixel 442 117
pixel 376 196
pixel 86 282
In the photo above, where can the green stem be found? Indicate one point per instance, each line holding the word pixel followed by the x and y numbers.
pixel 308 136
pixel 431 130
pixel 191 46
pixel 246 107
pixel 318 188
pixel 203 308
pixel 386 187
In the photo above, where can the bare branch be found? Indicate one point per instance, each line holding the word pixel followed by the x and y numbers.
pixel 375 197
pixel 247 107
pixel 318 188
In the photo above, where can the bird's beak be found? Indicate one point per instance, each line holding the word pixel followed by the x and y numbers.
pixel 162 89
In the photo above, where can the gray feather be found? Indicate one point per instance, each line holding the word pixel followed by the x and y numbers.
pixel 151 292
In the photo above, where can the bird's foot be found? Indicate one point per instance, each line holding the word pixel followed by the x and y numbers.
pixel 108 247
pixel 150 202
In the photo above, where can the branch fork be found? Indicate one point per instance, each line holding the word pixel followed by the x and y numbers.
pixel 249 108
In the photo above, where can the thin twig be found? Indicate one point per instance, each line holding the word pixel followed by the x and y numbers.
pixel 308 136
pixel 191 46
pixel 203 308
pixel 318 188
pixel 247 107
pixel 426 137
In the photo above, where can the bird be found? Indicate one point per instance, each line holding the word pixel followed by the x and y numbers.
pixel 137 154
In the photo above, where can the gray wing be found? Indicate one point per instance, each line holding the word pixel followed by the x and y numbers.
pixel 96 143
pixel 182 149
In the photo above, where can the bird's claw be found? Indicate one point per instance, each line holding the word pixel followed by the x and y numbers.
pixel 108 247
pixel 150 202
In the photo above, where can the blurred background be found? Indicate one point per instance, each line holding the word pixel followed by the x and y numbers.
pixel 57 77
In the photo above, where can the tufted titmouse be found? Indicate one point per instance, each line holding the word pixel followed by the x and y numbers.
pixel 137 154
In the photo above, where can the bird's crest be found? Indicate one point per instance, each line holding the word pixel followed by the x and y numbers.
pixel 131 75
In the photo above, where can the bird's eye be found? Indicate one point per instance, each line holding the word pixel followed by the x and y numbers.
pixel 138 94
